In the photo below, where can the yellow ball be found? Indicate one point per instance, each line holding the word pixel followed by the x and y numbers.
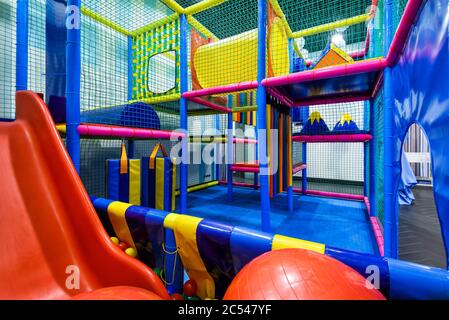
pixel 115 240
pixel 131 252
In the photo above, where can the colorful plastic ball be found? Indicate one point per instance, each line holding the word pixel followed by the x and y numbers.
pixel 194 298
pixel 296 274
pixel 158 272
pixel 190 288
pixel 177 296
pixel 131 252
pixel 115 241
pixel 123 246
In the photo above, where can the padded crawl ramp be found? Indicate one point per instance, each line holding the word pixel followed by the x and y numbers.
pixel 48 222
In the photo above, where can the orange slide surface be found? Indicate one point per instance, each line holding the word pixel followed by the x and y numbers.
pixel 53 245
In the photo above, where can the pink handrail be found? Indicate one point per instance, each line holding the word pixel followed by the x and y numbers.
pixel 363 137
pixel 210 105
pixel 330 194
pixel 241 86
pixel 329 100
pixel 326 73
pixel 88 130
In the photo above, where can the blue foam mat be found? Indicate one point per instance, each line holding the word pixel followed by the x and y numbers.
pixel 339 223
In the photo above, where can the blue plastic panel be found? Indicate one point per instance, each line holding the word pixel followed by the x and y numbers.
pixel 421 95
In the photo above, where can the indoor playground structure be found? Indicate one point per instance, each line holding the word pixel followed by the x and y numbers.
pixel 218 149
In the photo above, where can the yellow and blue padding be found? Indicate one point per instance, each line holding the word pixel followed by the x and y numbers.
pixel 212 253
pixel 158 181
pixel 123 179
pixel 141 228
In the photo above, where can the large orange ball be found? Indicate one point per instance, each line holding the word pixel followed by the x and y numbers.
pixel 296 274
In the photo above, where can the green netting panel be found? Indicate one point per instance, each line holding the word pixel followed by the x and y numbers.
pixel 379 154
pixel 378 32
pixel 37 46
pixel 398 10
pixel 7 58
pixel 129 14
pixel 228 53
pixel 156 63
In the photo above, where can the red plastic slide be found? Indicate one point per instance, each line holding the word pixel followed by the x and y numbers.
pixel 53 245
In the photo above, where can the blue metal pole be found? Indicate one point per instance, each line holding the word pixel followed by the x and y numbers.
pixel 22 45
pixel 290 173
pixel 262 117
pixel 183 113
pixel 230 151
pixel 391 202
pixel 131 143
pixel 73 83
pixel 217 149
pixel 304 172
pixel 372 167
pixel 173 267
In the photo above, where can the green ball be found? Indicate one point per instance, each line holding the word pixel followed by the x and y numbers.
pixel 158 271
pixel 193 298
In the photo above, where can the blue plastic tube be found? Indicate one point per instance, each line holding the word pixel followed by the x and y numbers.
pixel 262 117
pixel 22 46
pixel 73 83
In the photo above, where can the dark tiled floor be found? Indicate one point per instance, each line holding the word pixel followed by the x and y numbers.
pixel 420 238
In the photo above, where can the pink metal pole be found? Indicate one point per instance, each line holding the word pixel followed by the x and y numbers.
pixel 130 133
pixel 334 138
pixel 245 141
pixel 245 169
pixel 329 100
pixel 250 165
pixel 330 194
pixel 327 73
pixel 283 99
pixel 240 184
pixel 241 86
pixel 378 235
pixel 209 104
pixel 299 168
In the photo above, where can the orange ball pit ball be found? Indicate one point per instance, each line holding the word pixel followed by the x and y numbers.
pixel 296 274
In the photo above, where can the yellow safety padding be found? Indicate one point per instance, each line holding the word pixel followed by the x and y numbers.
pixel 282 242
pixel 134 182
pixel 184 228
pixel 236 57
pixel 117 216
pixel 123 160
pixel 160 180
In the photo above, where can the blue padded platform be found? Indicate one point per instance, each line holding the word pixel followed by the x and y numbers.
pixel 339 223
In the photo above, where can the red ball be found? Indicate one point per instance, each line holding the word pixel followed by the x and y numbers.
pixel 177 296
pixel 190 288
pixel 296 274
pixel 123 246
